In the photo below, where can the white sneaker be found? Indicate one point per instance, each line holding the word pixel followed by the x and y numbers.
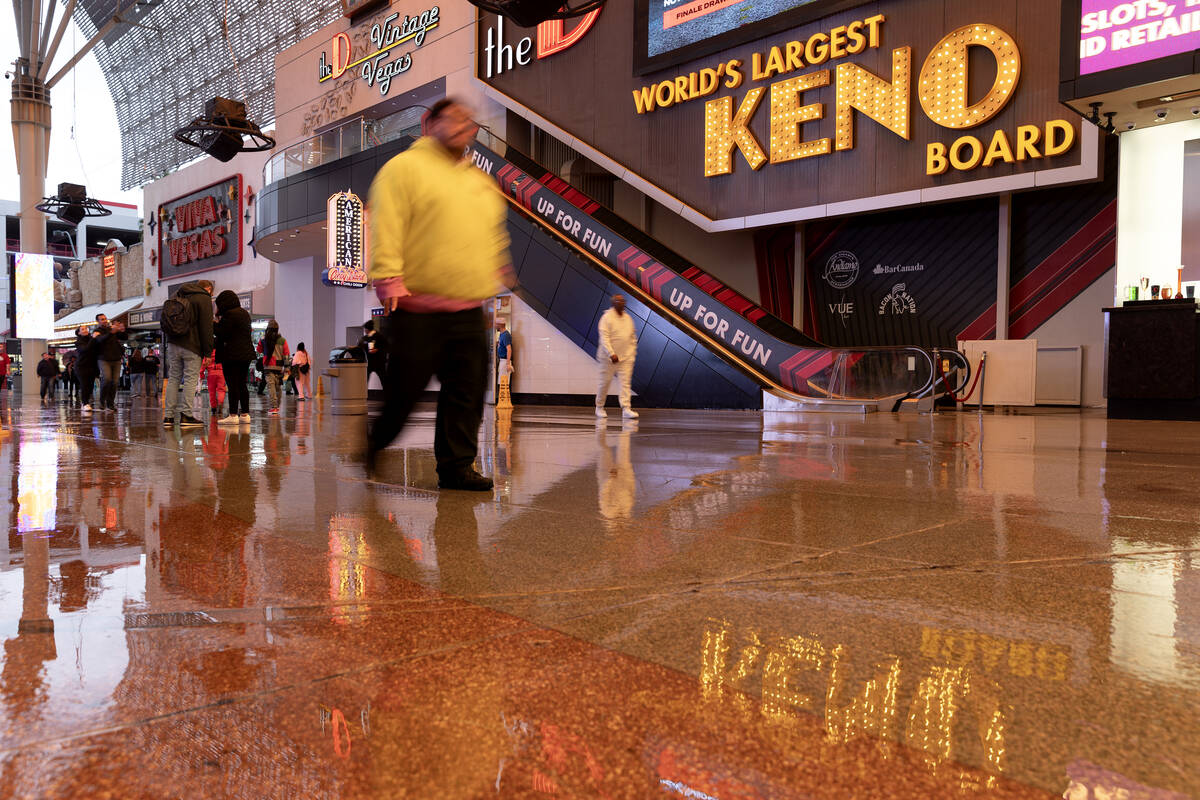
pixel 600 412
pixel 87 408
pixel 243 418
pixel 232 419
pixel 629 413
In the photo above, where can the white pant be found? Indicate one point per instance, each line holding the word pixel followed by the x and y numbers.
pixel 624 371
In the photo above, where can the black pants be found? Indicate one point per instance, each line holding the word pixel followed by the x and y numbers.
pixel 235 386
pixel 47 387
pixel 87 382
pixel 110 373
pixel 454 347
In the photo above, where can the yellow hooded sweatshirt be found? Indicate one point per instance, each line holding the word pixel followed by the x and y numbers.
pixel 437 224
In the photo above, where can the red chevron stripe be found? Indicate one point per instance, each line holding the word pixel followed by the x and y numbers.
pixel 647 275
pixel 660 281
pixel 1050 270
pixel 626 254
pixel 1064 292
pixel 1056 267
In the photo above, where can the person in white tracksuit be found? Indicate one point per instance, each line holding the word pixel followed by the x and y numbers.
pixel 617 351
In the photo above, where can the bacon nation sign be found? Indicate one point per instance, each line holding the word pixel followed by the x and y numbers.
pixel 201 231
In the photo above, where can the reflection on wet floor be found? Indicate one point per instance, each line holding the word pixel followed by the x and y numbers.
pixel 725 605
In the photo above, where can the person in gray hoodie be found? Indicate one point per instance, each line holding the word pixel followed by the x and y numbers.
pixel 185 353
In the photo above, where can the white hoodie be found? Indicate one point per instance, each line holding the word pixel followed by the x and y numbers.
pixel 617 335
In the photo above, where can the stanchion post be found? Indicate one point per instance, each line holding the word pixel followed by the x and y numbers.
pixel 982 379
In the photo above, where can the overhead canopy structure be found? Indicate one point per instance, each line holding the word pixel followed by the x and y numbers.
pixel 163 59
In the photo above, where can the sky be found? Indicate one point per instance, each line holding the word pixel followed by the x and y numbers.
pixel 85 142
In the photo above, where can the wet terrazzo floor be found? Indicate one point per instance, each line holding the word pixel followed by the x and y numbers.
pixel 728 605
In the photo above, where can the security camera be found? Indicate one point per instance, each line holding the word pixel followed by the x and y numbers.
pixel 1161 114
pixel 1130 126
pixel 1196 111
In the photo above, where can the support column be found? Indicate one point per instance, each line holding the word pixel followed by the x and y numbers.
pixel 798 279
pixel 1003 265
pixel 30 106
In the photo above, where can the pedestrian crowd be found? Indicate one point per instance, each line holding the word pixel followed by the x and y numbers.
pixel 438 250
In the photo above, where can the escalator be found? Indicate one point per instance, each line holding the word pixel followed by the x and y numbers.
pixel 567 248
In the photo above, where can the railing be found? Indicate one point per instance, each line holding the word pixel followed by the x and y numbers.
pixel 353 136
pixel 54 249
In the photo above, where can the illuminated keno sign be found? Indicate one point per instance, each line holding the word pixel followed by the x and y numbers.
pixel 942 93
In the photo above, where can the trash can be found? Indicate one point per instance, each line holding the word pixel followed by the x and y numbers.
pixel 348 369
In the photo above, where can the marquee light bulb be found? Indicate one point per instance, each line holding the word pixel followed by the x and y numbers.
pixel 943 92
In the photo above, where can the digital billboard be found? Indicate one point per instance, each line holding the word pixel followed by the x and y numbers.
pixel 34 295
pixel 1115 33
pixel 673 31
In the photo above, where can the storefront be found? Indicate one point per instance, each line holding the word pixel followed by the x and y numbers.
pixel 200 225
pixel 1135 72
pixel 871 173
pixel 874 173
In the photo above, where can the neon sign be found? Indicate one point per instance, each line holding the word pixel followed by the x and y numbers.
pixel 378 67
pixel 887 100
pixel 346 244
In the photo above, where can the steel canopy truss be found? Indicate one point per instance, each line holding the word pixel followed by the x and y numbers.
pixel 163 59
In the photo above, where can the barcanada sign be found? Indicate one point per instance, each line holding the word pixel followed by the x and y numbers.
pixel 813 121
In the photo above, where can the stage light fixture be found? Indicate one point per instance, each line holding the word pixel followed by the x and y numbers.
pixel 531 13
pixel 223 131
pixel 71 204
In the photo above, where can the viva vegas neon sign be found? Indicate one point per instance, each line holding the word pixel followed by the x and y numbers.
pixel 942 91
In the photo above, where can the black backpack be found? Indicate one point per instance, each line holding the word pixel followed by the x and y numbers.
pixel 178 317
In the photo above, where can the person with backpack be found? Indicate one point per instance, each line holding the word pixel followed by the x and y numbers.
pixel 275 355
pixel 234 352
pixel 187 325
pixel 302 365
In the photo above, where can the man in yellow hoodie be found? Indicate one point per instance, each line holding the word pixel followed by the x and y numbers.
pixel 439 248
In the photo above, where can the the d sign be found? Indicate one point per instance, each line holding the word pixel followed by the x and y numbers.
pixel 552 36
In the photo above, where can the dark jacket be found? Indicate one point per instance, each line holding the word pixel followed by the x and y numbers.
pixel 377 355
pixel 136 365
pixel 85 347
pixel 232 331
pixel 200 338
pixel 47 369
pixel 109 345
pixel 150 365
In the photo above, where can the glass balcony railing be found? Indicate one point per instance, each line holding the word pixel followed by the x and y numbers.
pixel 352 136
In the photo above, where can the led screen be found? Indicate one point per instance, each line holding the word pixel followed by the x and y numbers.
pixel 37 485
pixel 676 30
pixel 1117 33
pixel 35 296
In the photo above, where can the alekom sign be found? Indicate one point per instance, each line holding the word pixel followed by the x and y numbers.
pixel 901 103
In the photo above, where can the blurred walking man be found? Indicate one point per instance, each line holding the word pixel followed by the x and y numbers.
pixel 439 247
pixel 617 351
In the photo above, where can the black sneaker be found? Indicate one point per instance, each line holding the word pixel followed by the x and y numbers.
pixel 168 422
pixel 188 421
pixel 468 480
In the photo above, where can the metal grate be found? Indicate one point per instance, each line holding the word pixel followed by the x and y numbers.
pixel 161 69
